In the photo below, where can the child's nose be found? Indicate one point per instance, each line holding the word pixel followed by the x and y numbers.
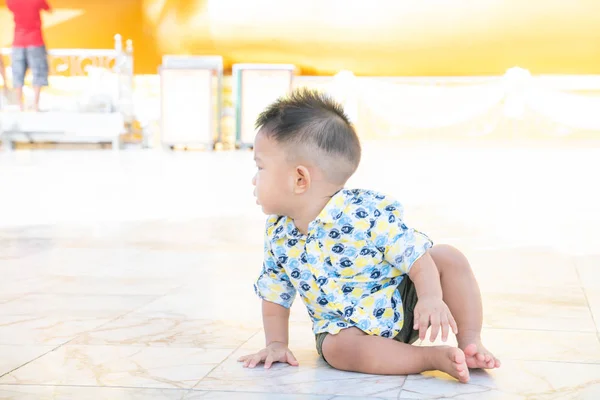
pixel 254 180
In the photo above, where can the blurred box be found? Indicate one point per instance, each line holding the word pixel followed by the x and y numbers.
pixel 191 101
pixel 255 86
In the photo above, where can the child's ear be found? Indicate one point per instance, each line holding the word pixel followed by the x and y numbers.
pixel 303 180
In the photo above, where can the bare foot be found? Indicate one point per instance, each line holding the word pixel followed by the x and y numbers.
pixel 452 361
pixel 478 356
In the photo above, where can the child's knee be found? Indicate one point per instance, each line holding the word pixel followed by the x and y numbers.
pixel 333 352
pixel 339 350
pixel 448 257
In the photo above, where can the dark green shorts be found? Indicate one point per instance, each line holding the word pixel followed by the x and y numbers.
pixel 407 334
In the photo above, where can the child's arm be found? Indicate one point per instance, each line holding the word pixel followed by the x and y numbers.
pixel 425 276
pixel 276 323
pixel 430 308
pixel 275 289
pixel 406 249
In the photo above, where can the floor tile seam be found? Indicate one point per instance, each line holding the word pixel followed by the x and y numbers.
pixel 133 310
pixel 258 331
pixel 538 330
pixel 32 360
pixel 300 395
pixel 587 300
pixel 110 320
pixel 187 390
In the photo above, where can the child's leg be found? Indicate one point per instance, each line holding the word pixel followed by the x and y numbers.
pixel 353 350
pixel 461 294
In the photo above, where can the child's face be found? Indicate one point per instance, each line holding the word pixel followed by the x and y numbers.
pixel 274 179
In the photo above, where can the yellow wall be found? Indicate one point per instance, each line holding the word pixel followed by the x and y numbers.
pixel 377 37
pixel 388 37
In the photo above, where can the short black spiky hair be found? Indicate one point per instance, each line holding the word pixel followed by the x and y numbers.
pixel 309 118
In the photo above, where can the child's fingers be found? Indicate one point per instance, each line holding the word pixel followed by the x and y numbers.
pixel 291 359
pixel 246 359
pixel 416 320
pixel 423 325
pixel 452 323
pixel 269 361
pixel 445 327
pixel 255 360
pixel 247 362
pixel 435 327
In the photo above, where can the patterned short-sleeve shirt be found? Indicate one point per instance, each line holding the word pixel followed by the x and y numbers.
pixel 347 267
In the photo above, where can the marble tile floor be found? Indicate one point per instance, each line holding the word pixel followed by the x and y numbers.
pixel 129 276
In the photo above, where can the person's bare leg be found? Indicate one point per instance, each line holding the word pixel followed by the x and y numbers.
pixel 36 92
pixel 353 350
pixel 19 92
pixel 461 294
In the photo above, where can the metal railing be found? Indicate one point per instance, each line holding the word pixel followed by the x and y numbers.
pixel 77 62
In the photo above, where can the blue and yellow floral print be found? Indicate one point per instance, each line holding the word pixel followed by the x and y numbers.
pixel 348 266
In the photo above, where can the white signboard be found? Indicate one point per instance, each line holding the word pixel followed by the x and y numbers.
pixel 187 107
pixel 258 87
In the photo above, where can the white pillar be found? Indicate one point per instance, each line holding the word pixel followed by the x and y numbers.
pixel 516 84
pixel 345 91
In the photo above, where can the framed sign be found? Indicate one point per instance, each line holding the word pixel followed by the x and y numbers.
pixel 255 87
pixel 191 101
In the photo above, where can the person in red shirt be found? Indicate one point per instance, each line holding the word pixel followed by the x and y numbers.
pixel 29 49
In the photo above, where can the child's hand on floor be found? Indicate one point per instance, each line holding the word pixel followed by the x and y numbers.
pixel 433 311
pixel 275 352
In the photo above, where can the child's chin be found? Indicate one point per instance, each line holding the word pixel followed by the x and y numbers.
pixel 265 210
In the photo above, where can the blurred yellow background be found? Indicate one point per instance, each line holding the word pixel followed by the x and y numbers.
pixel 377 38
